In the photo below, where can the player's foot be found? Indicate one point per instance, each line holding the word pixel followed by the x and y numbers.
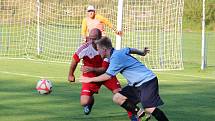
pixel 134 118
pixel 146 117
pixel 87 109
pixel 140 113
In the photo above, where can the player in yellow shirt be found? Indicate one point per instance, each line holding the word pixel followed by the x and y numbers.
pixel 94 20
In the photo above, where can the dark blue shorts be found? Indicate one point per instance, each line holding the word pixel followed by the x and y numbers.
pixel 147 94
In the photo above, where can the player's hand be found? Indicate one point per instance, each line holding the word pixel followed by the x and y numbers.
pixel 145 51
pixel 85 79
pixel 71 78
pixel 84 41
pixel 119 33
pixel 84 38
pixel 86 69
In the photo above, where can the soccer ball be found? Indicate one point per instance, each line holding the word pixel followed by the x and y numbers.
pixel 44 86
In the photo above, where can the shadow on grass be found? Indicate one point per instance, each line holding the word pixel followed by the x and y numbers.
pixel 185 100
pixel 21 102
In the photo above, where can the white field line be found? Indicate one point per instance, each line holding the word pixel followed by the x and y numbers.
pixel 189 76
pixel 34 60
pixel 36 76
pixel 196 81
pixel 29 75
pixel 183 75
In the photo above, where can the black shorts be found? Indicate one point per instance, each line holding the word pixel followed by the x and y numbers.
pixel 147 94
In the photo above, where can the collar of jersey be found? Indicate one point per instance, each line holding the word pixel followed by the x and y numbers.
pixel 111 52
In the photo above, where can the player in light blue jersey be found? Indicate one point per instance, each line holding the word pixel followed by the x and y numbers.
pixel 142 82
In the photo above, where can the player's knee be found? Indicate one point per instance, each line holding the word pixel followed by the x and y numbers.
pixel 150 110
pixel 85 100
pixel 118 98
pixel 115 97
pixel 116 90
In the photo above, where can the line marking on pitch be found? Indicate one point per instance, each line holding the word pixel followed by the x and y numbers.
pixel 189 76
pixel 29 75
pixel 187 81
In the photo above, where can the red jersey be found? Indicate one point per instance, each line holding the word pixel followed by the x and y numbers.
pixel 90 58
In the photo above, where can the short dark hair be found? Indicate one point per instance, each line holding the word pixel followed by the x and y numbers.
pixel 104 42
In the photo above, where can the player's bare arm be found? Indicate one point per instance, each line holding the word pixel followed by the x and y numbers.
pixel 116 31
pixel 73 65
pixel 99 70
pixel 100 78
pixel 139 52
pixel 84 30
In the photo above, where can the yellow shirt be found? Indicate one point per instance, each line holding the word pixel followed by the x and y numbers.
pixel 99 22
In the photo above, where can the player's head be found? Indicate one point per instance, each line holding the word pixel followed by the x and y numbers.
pixel 95 34
pixel 91 11
pixel 104 45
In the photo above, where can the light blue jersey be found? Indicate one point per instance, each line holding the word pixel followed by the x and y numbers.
pixel 133 70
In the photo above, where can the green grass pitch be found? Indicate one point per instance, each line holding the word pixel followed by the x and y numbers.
pixel 188 94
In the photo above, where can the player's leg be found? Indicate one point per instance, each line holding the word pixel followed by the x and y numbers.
pixel 157 113
pixel 114 85
pixel 127 98
pixel 126 103
pixel 150 99
pixel 87 103
pixel 87 99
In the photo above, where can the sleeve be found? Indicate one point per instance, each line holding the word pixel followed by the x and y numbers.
pixel 84 27
pixel 115 66
pixel 127 50
pixel 105 63
pixel 80 52
pixel 104 20
pixel 76 58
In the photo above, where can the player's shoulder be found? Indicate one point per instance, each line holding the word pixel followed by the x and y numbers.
pixel 125 50
pixel 84 19
pixel 99 16
pixel 122 50
pixel 121 53
pixel 83 47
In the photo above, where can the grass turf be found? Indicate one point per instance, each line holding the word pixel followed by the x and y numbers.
pixel 188 94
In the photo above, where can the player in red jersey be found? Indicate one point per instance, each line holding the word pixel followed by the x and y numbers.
pixel 95 66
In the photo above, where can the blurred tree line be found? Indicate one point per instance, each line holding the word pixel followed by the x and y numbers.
pixel 191 20
pixel 193 14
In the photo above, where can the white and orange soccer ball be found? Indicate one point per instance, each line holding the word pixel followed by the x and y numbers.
pixel 44 86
